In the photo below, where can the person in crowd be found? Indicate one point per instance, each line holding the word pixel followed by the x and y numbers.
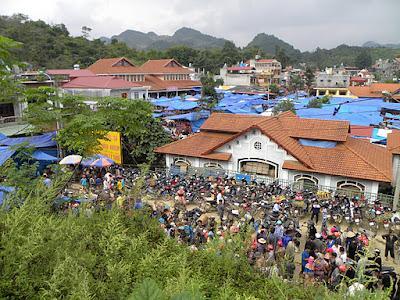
pixel 46 180
pixel 315 209
pixel 390 240
pixel 84 182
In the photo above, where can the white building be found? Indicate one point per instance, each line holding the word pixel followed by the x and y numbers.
pixel 103 86
pixel 285 147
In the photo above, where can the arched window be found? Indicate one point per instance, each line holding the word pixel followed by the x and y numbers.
pixel 306 178
pixel 306 181
pixel 213 165
pixel 258 167
pixel 351 186
pixel 181 161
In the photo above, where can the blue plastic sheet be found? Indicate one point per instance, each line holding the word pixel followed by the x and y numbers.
pixel 40 155
pixel 37 141
pixel 5 153
pixel 319 144
pixel 182 105
pixel 192 116
pixel 4 191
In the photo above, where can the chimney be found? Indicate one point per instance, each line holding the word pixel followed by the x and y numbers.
pixel 76 67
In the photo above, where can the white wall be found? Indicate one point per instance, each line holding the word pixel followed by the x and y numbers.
pixel 396 167
pixel 236 79
pixel 332 181
pixel 243 147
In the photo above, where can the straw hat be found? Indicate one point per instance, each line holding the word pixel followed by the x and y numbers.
pixel 351 234
pixel 262 241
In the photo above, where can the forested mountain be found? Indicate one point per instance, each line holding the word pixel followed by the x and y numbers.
pixel 372 44
pixel 269 44
pixel 183 36
pixel 51 46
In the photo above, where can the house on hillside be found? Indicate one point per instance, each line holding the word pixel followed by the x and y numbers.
pixel 387 69
pixel 287 147
pixel 165 77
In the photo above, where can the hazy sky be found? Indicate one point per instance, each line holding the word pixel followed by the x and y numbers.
pixel 305 24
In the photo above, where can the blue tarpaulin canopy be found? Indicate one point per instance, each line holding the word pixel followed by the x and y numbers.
pixel 4 190
pixel 192 116
pixel 5 153
pixel 40 155
pixel 37 141
pixel 182 105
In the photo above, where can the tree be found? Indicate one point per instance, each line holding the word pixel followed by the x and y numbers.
pixel 309 75
pixel 273 88
pixel 9 88
pixel 141 133
pixel 86 31
pixel 281 56
pixel 296 83
pixel 284 105
pixel 80 128
pixel 185 55
pixel 364 59
pixel 230 54
pixel 208 92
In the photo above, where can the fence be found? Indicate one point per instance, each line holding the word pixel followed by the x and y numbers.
pixel 323 191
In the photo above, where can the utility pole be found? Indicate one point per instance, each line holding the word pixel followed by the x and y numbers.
pixel 397 188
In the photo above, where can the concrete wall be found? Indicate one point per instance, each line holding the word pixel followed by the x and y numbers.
pixel 396 167
pixel 332 80
pixel 236 79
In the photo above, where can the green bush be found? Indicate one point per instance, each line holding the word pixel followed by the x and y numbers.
pixel 119 255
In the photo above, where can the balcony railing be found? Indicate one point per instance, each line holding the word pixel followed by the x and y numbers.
pixel 5 121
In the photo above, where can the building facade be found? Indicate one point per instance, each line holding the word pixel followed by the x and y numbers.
pixel 105 86
pixel 165 77
pixel 286 147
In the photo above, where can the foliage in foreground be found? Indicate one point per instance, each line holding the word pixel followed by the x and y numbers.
pixel 118 255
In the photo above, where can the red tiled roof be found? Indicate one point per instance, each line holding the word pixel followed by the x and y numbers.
pixel 197 145
pixel 374 90
pixel 316 129
pixel 71 72
pixel 358 79
pixel 240 68
pixel 361 131
pixel 107 66
pixel 229 122
pixel 266 60
pixel 157 84
pixel 355 158
pixel 100 82
pixel 351 157
pixel 393 142
pixel 163 66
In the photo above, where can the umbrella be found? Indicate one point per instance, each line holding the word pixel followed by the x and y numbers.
pixel 102 162
pixel 87 162
pixel 71 160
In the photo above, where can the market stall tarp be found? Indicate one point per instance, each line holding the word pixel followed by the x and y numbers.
pixel 40 155
pixel 90 160
pixel 37 141
pixel 4 191
pixel 5 153
pixel 182 105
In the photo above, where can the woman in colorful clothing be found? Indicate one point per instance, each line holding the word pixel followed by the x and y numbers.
pixel 309 271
